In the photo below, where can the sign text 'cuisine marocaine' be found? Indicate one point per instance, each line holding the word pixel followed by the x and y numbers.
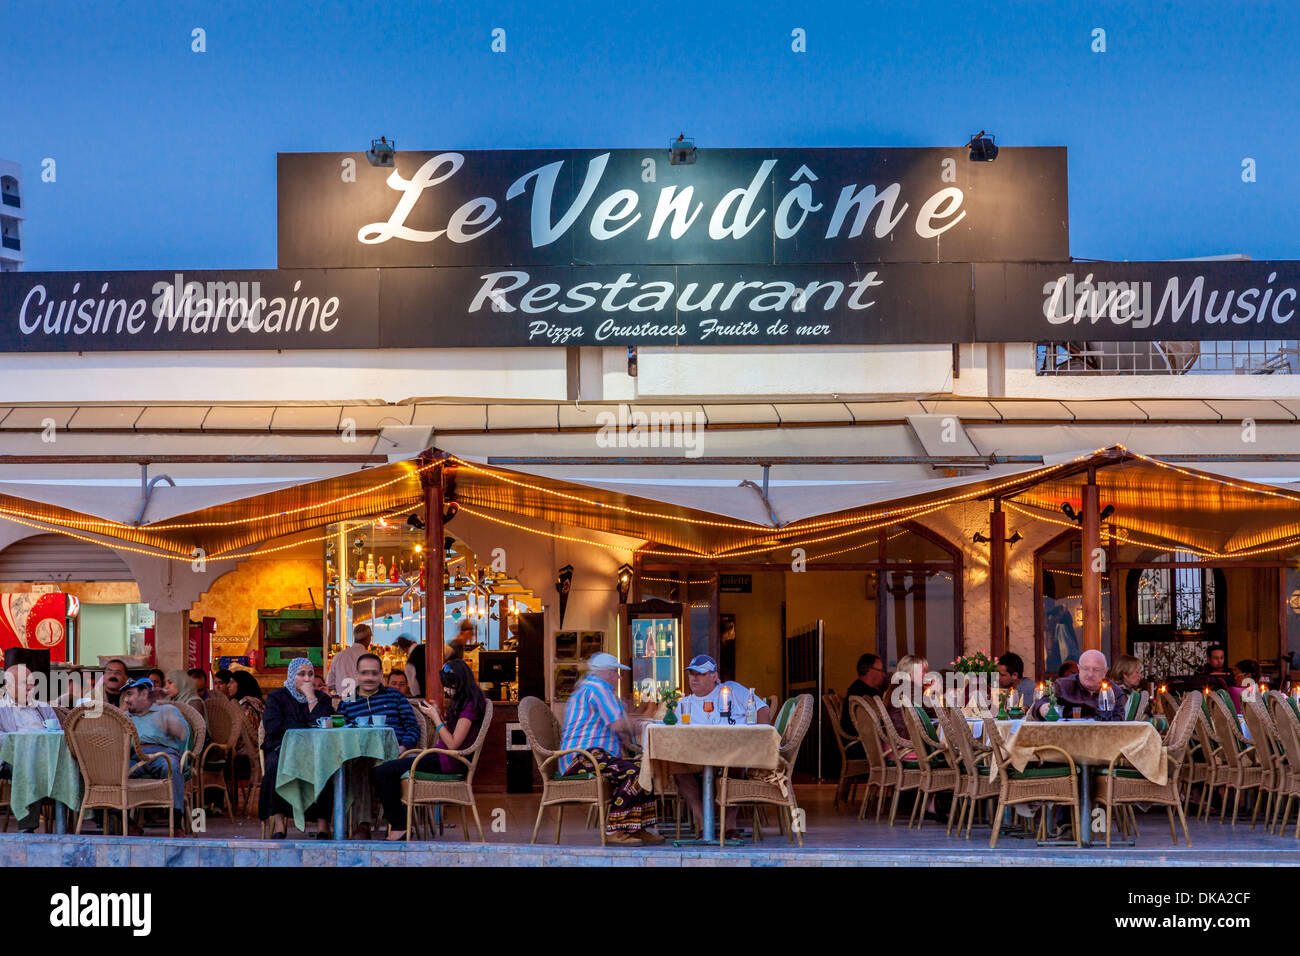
pixel 631 207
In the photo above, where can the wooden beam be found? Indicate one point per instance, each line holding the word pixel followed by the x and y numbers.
pixel 998 580
pixel 1092 565
pixel 433 604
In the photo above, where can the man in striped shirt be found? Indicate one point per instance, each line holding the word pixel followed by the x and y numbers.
pixel 373 699
pixel 594 721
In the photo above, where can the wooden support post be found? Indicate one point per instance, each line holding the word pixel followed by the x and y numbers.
pixel 433 561
pixel 1093 560
pixel 998 580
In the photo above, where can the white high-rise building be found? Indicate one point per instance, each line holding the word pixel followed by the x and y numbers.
pixel 11 216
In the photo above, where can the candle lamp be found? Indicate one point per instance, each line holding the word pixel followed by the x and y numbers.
pixel 725 697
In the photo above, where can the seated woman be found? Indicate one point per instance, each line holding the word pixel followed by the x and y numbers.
pixel 295 706
pixel 458 731
pixel 180 688
pixel 243 689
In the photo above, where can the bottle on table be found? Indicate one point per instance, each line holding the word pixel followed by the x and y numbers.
pixel 751 709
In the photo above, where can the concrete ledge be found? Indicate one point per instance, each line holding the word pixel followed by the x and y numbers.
pixel 18 850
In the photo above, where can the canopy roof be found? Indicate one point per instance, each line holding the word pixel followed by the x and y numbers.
pixel 1155 502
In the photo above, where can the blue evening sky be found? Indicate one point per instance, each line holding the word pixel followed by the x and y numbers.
pixel 166 158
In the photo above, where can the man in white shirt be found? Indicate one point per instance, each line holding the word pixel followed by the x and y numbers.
pixel 21 712
pixel 342 679
pixel 707 688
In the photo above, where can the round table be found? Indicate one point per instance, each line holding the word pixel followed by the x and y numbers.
pixel 41 766
pixel 309 758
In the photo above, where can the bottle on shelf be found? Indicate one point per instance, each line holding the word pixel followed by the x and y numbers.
pixel 663 640
pixel 381 570
pixel 393 575
pixel 370 568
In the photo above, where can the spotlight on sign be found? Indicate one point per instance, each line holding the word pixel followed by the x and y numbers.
pixel 982 149
pixel 415 522
pixel 381 152
pixel 681 151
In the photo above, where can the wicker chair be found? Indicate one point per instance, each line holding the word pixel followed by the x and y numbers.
pixel 189 761
pixel 225 729
pixel 976 782
pixel 771 788
pixel 62 714
pixel 104 742
pixel 1288 735
pixel 1120 785
pixel 426 733
pixel 1204 765
pixel 852 769
pixel 1049 784
pixel 1245 771
pixel 883 773
pixel 588 789
pixel 250 735
pixel 898 751
pixel 935 758
pixel 1269 752
pixel 420 789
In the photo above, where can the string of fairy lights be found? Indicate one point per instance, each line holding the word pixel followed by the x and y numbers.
pixel 764 539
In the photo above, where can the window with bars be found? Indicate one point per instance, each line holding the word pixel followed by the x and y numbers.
pixel 1263 357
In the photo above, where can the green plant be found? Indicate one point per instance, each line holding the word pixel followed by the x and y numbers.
pixel 977 663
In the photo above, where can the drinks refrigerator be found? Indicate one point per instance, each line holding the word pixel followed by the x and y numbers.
pixel 652 643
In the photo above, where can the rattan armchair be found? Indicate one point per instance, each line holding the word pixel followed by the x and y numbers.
pixel 1288 735
pixel 976 782
pixel 883 773
pixel 1245 772
pixel 1204 765
pixel 935 759
pixel 852 769
pixel 106 747
pixel 225 728
pixel 763 788
pixel 189 761
pixel 898 751
pixel 1268 751
pixel 544 732
pixel 1119 784
pixel 422 789
pixel 1051 784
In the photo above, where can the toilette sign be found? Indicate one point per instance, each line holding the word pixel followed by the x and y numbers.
pixel 631 207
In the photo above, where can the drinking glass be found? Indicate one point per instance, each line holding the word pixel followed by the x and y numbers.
pixel 708 711
pixel 1076 713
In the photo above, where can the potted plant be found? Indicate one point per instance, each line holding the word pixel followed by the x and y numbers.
pixel 670 699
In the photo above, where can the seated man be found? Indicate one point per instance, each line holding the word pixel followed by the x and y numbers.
pixel 706 686
pixel 200 678
pixel 1011 677
pixel 1081 690
pixel 594 721
pixel 164 734
pixel 20 712
pixel 373 699
pixel 1215 673
pixel 397 682
pixel 870 683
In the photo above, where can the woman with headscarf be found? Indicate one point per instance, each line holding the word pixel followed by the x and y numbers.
pixel 295 706
pixel 180 688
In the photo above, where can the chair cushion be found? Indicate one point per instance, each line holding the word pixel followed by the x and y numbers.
pixel 573 776
pixel 1123 773
pixel 927 724
pixel 421 775
pixel 1131 709
pixel 783 715
pixel 1040 773
pixel 911 765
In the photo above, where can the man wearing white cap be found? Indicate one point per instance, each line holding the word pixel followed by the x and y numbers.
pixel 594 721
pixel 729 701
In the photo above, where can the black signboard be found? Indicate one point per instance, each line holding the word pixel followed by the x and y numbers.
pixel 631 207
pixel 735 583
pixel 1137 301
pixel 174 311
pixel 728 305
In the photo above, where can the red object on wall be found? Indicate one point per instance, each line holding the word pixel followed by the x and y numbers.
pixel 198 645
pixel 150 646
pixel 35 621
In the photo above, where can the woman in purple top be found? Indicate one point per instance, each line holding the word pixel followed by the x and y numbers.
pixel 458 730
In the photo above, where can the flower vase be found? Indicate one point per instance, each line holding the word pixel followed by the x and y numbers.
pixel 670 718
pixel 1052 713
pixel 1002 713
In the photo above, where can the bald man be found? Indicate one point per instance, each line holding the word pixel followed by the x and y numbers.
pixel 1080 690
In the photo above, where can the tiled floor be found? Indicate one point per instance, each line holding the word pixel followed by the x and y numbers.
pixel 833 836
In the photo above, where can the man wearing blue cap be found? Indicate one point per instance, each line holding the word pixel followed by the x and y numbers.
pixel 729 701
pixel 163 735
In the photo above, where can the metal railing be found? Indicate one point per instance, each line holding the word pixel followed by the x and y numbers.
pixel 11 242
pixel 11 199
pixel 1263 357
